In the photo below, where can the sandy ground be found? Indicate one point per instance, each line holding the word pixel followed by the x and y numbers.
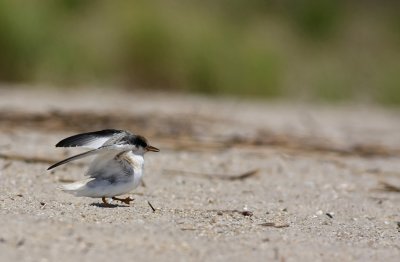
pixel 317 195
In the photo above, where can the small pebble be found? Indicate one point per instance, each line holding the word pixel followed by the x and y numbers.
pixel 247 213
pixel 21 242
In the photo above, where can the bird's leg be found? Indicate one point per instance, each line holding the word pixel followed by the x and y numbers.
pixel 105 202
pixel 127 200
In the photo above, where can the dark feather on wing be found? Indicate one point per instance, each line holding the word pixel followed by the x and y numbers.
pixel 86 138
pixel 72 158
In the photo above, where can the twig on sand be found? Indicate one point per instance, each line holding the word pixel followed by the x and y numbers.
pixel 188 229
pixel 66 180
pixel 273 224
pixel 242 176
pixel 7 165
pixel 151 206
pixel 245 213
pixel 389 187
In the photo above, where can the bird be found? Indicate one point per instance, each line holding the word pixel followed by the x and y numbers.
pixel 117 168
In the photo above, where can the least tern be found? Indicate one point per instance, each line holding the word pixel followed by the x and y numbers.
pixel 117 168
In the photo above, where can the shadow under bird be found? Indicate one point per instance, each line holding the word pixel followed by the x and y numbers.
pixel 117 168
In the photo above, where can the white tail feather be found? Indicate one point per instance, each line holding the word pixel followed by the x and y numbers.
pixel 73 188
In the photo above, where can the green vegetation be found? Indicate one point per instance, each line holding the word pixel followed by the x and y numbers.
pixel 313 49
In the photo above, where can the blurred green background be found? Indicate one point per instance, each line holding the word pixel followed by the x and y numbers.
pixel 299 49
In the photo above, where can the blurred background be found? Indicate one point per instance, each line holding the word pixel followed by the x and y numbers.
pixel 312 50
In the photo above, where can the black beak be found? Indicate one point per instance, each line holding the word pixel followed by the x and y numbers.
pixel 152 149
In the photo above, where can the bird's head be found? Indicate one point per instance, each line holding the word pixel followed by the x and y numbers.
pixel 141 146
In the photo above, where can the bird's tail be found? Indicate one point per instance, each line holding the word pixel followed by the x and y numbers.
pixel 73 188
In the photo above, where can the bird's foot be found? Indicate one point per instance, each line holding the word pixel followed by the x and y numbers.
pixel 106 204
pixel 127 200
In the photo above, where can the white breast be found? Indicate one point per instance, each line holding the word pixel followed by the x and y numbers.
pixel 137 162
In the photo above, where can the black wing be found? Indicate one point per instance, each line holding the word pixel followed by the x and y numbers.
pixel 92 139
